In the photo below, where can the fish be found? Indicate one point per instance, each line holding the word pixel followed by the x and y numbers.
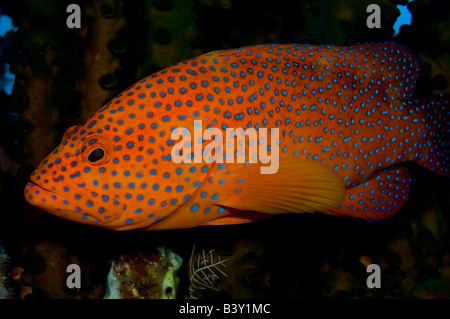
pixel 343 117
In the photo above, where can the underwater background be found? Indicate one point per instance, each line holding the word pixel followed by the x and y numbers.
pixel 62 76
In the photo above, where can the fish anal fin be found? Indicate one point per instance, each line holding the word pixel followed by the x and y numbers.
pixel 378 198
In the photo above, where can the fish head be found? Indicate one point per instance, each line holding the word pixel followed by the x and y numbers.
pixel 105 177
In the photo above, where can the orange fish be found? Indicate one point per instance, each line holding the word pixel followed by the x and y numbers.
pixel 344 121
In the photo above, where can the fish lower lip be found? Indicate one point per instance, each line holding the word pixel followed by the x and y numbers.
pixel 38 192
pixel 41 187
pixel 37 199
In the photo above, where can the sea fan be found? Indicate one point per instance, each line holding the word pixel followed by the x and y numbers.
pixel 206 268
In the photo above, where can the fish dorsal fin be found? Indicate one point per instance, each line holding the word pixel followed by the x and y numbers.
pixel 299 186
pixel 387 66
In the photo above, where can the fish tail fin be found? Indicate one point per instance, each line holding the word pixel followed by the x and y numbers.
pixel 436 115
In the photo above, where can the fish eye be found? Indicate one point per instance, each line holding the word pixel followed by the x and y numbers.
pixel 96 150
pixel 96 155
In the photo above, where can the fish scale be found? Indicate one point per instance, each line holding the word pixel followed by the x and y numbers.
pixel 345 124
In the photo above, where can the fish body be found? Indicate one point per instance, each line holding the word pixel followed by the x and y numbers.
pixel 344 119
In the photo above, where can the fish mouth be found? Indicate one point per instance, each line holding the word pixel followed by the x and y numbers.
pixel 37 195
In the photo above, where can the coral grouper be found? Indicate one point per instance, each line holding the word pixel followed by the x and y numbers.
pixel 345 125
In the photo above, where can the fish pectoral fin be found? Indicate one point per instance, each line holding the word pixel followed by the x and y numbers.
pixel 378 198
pixel 299 186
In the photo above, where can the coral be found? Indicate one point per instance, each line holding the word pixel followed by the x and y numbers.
pixel 144 275
pixel 45 262
pixel 11 286
pixel 5 289
pixel 170 33
pixel 21 291
pixel 64 75
pixel 57 66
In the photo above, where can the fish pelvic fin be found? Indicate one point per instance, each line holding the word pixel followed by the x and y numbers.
pixel 238 218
